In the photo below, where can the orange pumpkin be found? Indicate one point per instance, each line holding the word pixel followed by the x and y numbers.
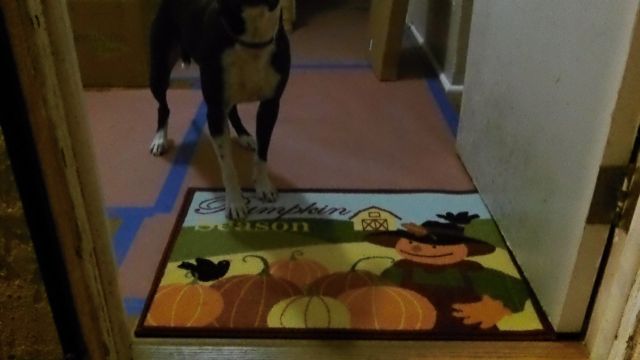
pixel 185 305
pixel 335 284
pixel 248 298
pixel 388 308
pixel 299 271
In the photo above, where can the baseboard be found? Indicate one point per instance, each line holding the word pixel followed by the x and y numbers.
pixel 449 88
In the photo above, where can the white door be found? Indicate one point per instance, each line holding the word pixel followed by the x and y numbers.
pixel 537 130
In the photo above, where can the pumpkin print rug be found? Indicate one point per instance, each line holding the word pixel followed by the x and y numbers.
pixel 341 264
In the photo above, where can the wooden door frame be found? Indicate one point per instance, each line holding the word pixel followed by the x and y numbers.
pixel 27 175
pixel 614 316
pixel 386 28
pixel 613 332
pixel 42 42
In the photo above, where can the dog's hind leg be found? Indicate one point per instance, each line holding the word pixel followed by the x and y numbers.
pixel 266 120
pixel 163 56
pixel 244 137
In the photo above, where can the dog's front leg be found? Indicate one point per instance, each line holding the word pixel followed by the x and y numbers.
pixel 266 120
pixel 236 208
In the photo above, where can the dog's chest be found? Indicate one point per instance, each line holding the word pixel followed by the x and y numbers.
pixel 248 74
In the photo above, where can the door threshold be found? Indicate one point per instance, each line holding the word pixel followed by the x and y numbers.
pixel 247 349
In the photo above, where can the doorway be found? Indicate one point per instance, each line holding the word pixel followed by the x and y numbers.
pixel 318 59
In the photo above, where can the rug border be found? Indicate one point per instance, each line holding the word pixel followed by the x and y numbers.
pixel 547 332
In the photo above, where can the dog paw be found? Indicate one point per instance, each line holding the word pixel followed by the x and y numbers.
pixel 159 144
pixel 248 142
pixel 236 209
pixel 265 191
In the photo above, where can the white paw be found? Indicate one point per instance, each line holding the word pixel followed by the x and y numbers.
pixel 265 191
pixel 248 142
pixel 236 208
pixel 159 144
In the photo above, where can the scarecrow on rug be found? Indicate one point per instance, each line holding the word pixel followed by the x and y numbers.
pixel 436 263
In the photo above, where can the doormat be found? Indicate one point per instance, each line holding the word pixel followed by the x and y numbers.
pixel 341 264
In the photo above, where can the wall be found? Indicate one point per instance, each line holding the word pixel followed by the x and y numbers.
pixel 541 85
pixel 111 39
pixel 27 330
pixel 442 26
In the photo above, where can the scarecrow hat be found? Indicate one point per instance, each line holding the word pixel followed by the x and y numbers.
pixel 431 236
pixel 453 222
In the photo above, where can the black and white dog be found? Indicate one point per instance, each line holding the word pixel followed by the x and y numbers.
pixel 243 53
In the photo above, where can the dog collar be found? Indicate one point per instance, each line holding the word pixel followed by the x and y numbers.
pixel 248 44
pixel 255 45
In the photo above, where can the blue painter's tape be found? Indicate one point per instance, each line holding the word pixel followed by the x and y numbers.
pixel 133 306
pixel 132 219
pixel 332 66
pixel 124 211
pixel 171 188
pixel 448 112
pixel 123 238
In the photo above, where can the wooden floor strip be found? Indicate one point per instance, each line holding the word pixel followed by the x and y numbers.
pixel 354 350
